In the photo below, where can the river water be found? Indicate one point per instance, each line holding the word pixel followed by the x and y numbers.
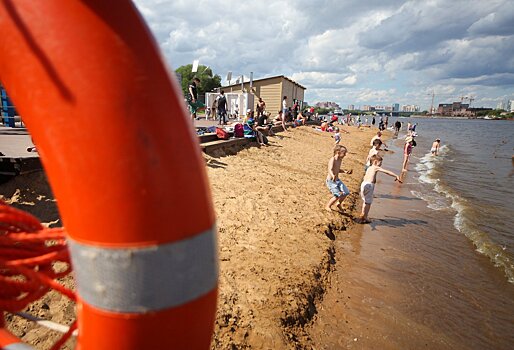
pixel 474 176
pixel 435 268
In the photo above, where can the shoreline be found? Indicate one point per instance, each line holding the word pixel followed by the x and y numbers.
pixel 410 280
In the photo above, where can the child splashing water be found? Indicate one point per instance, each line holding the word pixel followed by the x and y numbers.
pixel 368 186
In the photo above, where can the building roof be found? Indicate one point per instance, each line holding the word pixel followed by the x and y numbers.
pixel 273 77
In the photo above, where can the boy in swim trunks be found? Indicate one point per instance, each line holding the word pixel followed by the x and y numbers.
pixel 435 147
pixel 334 184
pixel 368 186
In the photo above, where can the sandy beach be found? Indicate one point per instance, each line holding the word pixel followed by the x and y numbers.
pixel 276 243
pixel 294 276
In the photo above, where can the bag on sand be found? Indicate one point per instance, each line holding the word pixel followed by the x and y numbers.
pixel 222 134
pixel 265 139
pixel 238 130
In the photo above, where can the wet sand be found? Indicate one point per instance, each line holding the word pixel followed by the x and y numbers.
pixel 410 280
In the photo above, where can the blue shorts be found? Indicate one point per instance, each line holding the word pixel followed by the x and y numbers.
pixel 337 188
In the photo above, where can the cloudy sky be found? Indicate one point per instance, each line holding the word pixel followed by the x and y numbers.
pixel 349 51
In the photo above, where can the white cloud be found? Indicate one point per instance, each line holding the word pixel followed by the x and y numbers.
pixel 352 51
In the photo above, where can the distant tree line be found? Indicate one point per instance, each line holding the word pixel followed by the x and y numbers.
pixel 497 113
pixel 208 81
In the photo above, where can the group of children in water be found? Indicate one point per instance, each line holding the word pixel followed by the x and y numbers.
pixel 373 166
pixel 340 191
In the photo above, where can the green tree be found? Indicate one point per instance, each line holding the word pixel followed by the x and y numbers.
pixel 208 81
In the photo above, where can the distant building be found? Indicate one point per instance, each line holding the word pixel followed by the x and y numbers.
pixel 351 107
pixel 511 105
pixel 396 107
pixel 367 108
pixel 444 109
pixel 457 109
pixel 410 108
pixel 272 90
pixel 328 105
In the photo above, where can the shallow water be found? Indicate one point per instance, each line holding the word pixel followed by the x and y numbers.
pixel 474 175
pixel 432 270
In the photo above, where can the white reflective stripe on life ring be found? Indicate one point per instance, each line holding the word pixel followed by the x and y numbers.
pixel 143 279
pixel 18 346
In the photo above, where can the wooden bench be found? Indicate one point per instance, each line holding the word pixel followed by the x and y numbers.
pixel 209 147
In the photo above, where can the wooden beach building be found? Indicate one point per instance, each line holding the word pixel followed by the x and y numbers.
pixel 272 90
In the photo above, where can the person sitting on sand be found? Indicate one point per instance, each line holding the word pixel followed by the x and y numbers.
pixel 334 184
pixel 301 119
pixel 263 125
pixel 368 186
pixel 377 143
pixel 280 120
pixel 250 130
pixel 435 147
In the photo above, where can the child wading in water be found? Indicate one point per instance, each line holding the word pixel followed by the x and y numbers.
pixel 334 184
pixel 435 147
pixel 407 151
pixel 368 186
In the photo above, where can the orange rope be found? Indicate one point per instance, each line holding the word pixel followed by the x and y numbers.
pixel 27 255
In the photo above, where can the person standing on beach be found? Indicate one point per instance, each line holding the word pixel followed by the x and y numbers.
pixel 192 97
pixel 435 147
pixel 381 124
pixel 284 107
pixel 261 107
pixel 334 184
pixel 222 107
pixel 295 110
pixel 214 108
pixel 407 151
pixel 397 127
pixel 368 186
pixel 337 135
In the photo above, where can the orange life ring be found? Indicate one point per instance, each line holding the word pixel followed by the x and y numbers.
pixel 124 165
